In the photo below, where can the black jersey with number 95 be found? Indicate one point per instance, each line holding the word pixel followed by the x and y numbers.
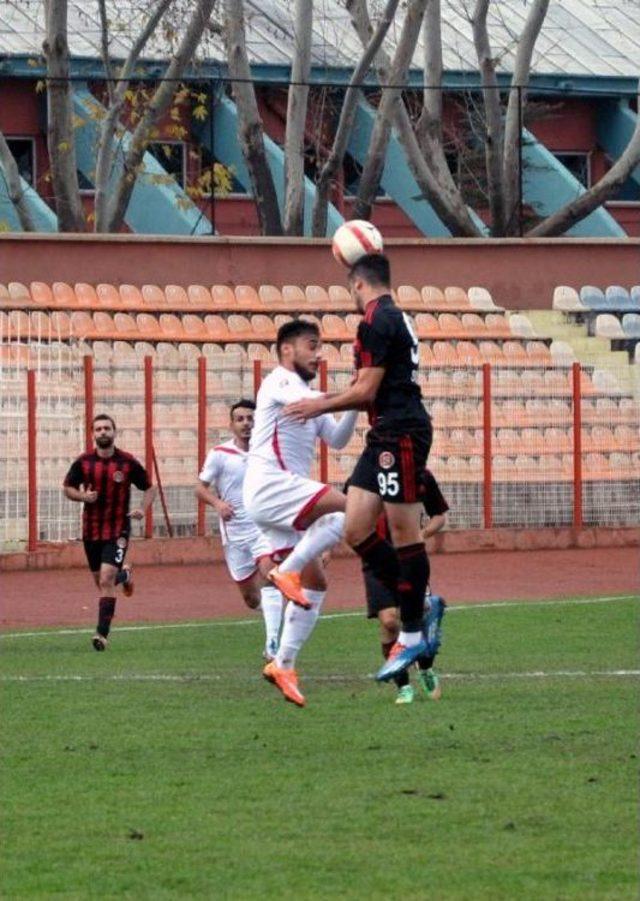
pixel 386 338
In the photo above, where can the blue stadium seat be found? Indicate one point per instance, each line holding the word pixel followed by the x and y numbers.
pixel 635 297
pixel 631 325
pixel 593 298
pixel 618 298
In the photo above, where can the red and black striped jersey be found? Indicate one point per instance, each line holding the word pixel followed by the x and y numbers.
pixel 112 477
pixel 433 502
pixel 386 339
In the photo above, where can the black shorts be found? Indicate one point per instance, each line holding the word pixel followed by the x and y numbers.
pixel 111 552
pixel 392 465
pixel 379 597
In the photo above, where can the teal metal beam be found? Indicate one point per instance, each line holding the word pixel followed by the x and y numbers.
pixel 548 186
pixel 158 205
pixel 615 126
pixel 227 150
pixel 44 219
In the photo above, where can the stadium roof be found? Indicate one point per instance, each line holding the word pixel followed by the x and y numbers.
pixel 592 38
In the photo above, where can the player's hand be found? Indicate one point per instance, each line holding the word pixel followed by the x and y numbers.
pixel 225 511
pixel 302 410
pixel 90 495
pixel 136 514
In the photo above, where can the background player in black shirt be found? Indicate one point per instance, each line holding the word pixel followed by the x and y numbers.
pixel 389 474
pixel 101 480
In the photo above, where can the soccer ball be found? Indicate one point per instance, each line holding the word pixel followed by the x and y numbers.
pixel 355 239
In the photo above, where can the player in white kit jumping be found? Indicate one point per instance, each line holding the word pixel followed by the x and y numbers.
pixel 246 550
pixel 300 517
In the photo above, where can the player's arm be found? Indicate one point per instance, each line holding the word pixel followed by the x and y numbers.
pixel 357 396
pixel 207 487
pixel 148 498
pixel 337 432
pixel 74 489
pixel 435 524
pixel 140 478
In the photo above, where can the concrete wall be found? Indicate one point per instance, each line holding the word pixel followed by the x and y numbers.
pixel 520 273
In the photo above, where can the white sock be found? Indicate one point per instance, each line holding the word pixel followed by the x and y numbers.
pixel 319 537
pixel 271 603
pixel 409 639
pixel 298 626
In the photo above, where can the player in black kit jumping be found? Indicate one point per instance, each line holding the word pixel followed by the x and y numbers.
pixel 389 475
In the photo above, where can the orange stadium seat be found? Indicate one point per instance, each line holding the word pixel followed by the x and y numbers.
pixel 130 296
pixel 432 297
pixel 557 440
pixel 498 324
pixel 223 297
pixel 40 325
pixel 294 296
pixel 176 297
pixel 19 324
pixel 334 328
pixel 125 324
pixel 247 298
pixel 449 323
pixel 238 325
pixel 538 352
pixel 409 297
pixel 257 351
pixel 426 355
pixel 108 297
pixel 263 327
pixel 103 323
pixel 468 353
pixel 491 352
pixel 315 296
pixel 62 325
pixel 63 295
pixel 444 353
pixel 198 296
pixel 217 329
pixel 456 297
pixel 340 298
pixel 270 296
pixel 427 324
pixel 19 293
pixel 280 319
pixel 194 326
pixel 143 348
pixel 148 326
pixel 41 293
pixel 171 326
pixel 515 352
pixel 5 297
pixel 153 296
pixel 86 295
pixel 472 324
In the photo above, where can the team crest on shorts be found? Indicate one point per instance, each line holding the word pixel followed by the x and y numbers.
pixel 122 542
pixel 118 476
pixel 386 460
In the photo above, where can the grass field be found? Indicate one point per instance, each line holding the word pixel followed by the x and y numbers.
pixel 166 768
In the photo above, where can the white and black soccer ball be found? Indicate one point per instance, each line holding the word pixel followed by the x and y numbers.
pixel 355 239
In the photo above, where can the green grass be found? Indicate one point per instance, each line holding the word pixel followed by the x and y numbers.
pixel 212 787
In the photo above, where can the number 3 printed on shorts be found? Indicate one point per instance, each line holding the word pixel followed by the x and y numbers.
pixel 119 556
pixel 388 484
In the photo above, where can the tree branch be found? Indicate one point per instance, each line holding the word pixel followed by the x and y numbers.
pixel 9 169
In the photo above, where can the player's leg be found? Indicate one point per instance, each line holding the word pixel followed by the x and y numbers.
pixel 107 603
pixel 271 600
pixel 381 605
pixel 432 628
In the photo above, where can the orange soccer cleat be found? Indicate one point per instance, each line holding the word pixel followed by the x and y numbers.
pixel 286 680
pixel 290 586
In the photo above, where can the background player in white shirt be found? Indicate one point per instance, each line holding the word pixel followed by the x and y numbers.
pixel 247 552
pixel 301 517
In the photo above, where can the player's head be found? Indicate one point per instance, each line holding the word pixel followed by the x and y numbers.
pixel 104 430
pixel 241 418
pixel 298 347
pixel 368 278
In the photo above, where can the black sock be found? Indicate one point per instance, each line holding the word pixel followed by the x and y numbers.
pixel 412 584
pixel 402 678
pixel 425 662
pixel 106 612
pixel 381 558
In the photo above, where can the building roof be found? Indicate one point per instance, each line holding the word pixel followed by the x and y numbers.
pixel 598 38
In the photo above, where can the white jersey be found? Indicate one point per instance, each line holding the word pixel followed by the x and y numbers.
pixel 225 469
pixel 278 442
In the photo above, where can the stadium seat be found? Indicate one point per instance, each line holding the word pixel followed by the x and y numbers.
pixel 520 325
pixel 456 297
pixel 491 352
pixel 5 297
pixel 557 440
pixel 40 325
pixel 427 325
pixel 199 296
pixel 194 326
pixel 634 294
pixel 409 297
pixel 498 324
pixel 515 352
pixel 593 298
pixel 130 296
pixel 608 326
pixel 315 296
pixel 334 328
pixel 41 294
pixel 472 324
pixel 153 296
pixel 171 327
pixel 468 353
pixel 340 298
pixel 480 299
pixel 618 298
pixel 177 298
pixel 103 323
pixel 449 324
pixel 561 353
pixel 62 325
pixel 125 324
pixel 538 353
pixel 432 297
pixel 217 329
pixel 239 327
pixel 631 325
pixel 426 354
pixel 86 296
pixel 108 297
pixel 567 299
pixel 444 353
pixel 82 324
pixel 63 295
pixel 269 295
pixel 19 294
pixel 246 297
pixel 257 351
pixel 294 296
pixel 149 326
pixel 144 348
pixel 263 327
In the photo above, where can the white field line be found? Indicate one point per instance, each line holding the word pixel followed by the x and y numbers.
pixel 252 621
pixel 187 678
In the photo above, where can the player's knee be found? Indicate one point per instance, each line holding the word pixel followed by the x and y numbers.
pixel 107 582
pixel 353 534
pixel 251 597
pixel 389 624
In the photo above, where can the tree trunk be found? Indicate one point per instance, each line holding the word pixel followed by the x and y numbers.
pixel 106 145
pixel 391 97
pixel 347 118
pixel 9 168
pixel 250 128
pixel 159 103
pixel 296 120
pixel 446 201
pixel 60 136
pixel 493 117
pixel 515 112
pixel 563 219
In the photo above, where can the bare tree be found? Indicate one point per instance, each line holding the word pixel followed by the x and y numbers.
pixel 15 192
pixel 296 118
pixel 250 127
pixel 62 153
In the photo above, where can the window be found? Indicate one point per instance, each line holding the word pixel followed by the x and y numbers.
pixel 352 175
pixel 171 156
pixel 578 164
pixel 23 152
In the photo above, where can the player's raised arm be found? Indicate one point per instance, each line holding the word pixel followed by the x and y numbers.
pixel 338 432
pixel 357 396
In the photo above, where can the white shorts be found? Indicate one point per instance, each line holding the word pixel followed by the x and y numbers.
pixel 277 500
pixel 242 557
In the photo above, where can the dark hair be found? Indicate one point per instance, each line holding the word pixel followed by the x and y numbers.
pixel 374 268
pixel 242 403
pixel 104 416
pixel 292 330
